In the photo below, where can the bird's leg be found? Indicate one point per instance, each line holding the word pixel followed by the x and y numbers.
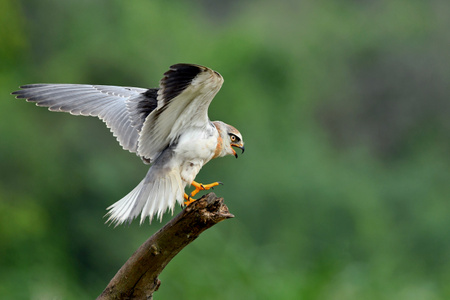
pixel 198 187
pixel 202 187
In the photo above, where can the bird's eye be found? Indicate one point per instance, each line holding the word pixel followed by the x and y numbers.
pixel 234 138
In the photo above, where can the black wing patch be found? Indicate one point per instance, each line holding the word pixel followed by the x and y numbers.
pixel 140 107
pixel 178 78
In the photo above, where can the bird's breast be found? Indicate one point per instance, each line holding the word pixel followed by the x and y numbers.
pixel 197 144
pixel 194 149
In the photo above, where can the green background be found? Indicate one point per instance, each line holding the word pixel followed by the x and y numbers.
pixel 343 191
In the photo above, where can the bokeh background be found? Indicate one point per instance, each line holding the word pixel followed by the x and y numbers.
pixel 343 192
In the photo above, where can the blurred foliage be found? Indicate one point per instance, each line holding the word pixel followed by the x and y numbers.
pixel 343 192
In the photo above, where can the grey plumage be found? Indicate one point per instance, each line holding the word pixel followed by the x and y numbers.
pixel 109 103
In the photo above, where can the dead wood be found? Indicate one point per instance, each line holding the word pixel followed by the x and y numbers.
pixel 138 277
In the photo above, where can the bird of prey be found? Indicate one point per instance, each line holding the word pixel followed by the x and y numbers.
pixel 168 127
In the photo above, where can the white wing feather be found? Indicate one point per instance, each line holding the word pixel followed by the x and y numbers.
pixel 174 116
pixel 106 102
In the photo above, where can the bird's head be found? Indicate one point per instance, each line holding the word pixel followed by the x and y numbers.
pixel 230 137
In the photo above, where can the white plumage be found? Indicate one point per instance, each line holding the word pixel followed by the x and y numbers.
pixel 167 127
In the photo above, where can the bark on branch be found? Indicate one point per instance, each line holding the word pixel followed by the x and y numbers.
pixel 138 277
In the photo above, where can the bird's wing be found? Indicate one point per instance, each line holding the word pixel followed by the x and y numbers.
pixel 183 99
pixel 121 108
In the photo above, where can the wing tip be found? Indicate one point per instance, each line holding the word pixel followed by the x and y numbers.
pixel 22 93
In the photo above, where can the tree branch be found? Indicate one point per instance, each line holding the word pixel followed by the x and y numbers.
pixel 138 277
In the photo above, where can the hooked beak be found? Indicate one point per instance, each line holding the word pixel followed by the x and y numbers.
pixel 238 146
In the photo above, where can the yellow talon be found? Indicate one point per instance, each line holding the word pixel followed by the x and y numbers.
pixel 188 199
pixel 198 187
pixel 202 187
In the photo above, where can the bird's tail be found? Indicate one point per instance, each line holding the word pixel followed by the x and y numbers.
pixel 154 195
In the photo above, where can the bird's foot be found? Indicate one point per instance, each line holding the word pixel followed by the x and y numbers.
pixel 198 187
pixel 188 199
pixel 202 187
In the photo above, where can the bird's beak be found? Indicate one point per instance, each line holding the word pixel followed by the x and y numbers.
pixel 237 146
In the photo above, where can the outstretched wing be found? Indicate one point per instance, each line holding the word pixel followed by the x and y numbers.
pixel 123 109
pixel 183 99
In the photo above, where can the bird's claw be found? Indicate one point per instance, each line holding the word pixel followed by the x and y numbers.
pixel 188 199
pixel 199 187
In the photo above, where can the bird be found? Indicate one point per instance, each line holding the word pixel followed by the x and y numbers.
pixel 167 127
